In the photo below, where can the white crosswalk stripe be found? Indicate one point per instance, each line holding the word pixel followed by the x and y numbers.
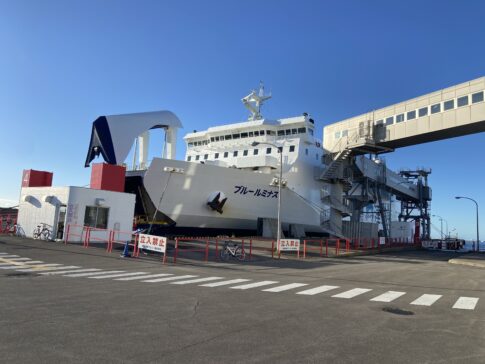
pixel 254 285
pixel 48 268
pixel 198 280
pixel 286 287
pixel 317 290
pixel 168 279
pixel 20 263
pixel 426 299
pixel 466 303
pixel 23 266
pixel 118 275
pixel 93 273
pixel 389 296
pixel 143 277
pixel 84 270
pixel 225 283
pixel 352 293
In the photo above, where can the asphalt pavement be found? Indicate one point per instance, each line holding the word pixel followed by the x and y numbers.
pixel 70 304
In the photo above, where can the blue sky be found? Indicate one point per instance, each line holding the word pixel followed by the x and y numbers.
pixel 63 63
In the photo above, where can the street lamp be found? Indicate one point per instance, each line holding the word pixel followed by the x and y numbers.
pixel 441 220
pixel 280 150
pixel 476 204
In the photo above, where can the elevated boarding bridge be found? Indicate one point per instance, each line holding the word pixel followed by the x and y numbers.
pixel 455 111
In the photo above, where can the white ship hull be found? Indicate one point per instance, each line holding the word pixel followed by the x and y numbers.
pixel 249 197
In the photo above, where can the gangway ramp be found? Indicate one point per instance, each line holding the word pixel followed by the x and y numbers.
pixel 455 111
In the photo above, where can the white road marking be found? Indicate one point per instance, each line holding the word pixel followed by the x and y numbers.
pixel 466 303
pixel 48 269
pixel 93 273
pixel 169 279
pixel 286 287
pixel 352 293
pixel 118 275
pixel 17 259
pixel 198 280
pixel 23 266
pixel 10 266
pixel 9 256
pixel 254 285
pixel 72 271
pixel 317 290
pixel 143 277
pixel 389 296
pixel 224 283
pixel 426 299
pixel 21 263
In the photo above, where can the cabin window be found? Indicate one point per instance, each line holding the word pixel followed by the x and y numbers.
pixel 244 135
pixel 216 156
pixel 268 150
pixel 448 105
pixel 301 130
pixel 462 101
pixel 234 154
pixel 390 120
pixel 423 111
pixel 399 118
pixel 292 148
pixel 281 132
pixel 245 153
pixel 411 115
pixel 226 154
pixel 206 156
pixel 294 131
pixel 435 108
pixel 478 97
pixel 255 152
pixel 189 158
pixel 96 217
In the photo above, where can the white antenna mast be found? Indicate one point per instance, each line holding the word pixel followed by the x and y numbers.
pixel 254 101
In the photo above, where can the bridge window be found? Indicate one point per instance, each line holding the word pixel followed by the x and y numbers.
pixel 217 139
pixel 281 132
pixel 390 120
pixel 228 137
pixel 261 132
pixel 226 154
pixel 288 131
pixel 294 131
pixel 212 139
pixel 255 151
pixel 399 118
pixel 256 133
pixel 423 111
pixel 251 134
pixel 244 135
pixel 292 148
pixel 236 136
pixel 234 154
pixel 222 138
pixel 435 108
pixel 478 97
pixel 189 158
pixel 411 115
pixel 245 153
pixel 448 105
pixel 301 130
pixel 462 101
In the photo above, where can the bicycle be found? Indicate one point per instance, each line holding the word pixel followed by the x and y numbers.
pixel 42 232
pixel 231 249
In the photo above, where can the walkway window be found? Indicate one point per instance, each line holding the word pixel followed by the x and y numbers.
pixel 448 105
pixel 423 111
pixel 478 97
pixel 390 120
pixel 411 115
pixel 435 108
pixel 462 101
pixel 399 118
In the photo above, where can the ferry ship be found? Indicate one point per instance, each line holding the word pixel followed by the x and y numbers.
pixel 229 180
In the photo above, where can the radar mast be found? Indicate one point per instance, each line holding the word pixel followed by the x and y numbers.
pixel 254 101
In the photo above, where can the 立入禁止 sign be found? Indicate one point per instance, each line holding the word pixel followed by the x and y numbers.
pixel 289 245
pixel 152 242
